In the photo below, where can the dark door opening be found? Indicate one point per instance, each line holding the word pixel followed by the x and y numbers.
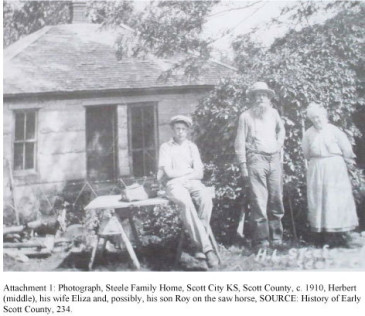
pixel 101 143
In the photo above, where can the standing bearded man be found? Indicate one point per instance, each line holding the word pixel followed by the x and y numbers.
pixel 258 145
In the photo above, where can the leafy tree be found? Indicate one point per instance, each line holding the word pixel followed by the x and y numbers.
pixel 166 29
pixel 312 62
pixel 175 28
pixel 112 12
pixel 24 17
pixel 27 17
pixel 319 63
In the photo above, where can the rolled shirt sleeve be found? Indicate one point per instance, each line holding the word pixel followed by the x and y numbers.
pixel 164 157
pixel 197 161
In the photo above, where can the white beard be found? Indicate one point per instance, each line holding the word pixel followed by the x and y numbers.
pixel 259 110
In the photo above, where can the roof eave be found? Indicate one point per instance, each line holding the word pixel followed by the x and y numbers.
pixel 108 92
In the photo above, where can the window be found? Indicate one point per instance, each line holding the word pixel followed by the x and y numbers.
pixel 25 140
pixel 143 138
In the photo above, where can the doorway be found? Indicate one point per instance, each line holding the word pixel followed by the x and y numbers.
pixel 101 143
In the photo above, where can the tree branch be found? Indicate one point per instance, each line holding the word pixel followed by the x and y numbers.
pixel 238 24
pixel 251 4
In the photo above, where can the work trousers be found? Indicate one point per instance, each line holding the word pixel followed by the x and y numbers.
pixel 266 196
pixel 195 220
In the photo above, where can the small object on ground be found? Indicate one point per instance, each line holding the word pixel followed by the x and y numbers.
pixel 13 229
pixel 212 259
pixel 16 255
pixel 29 252
pixel 45 225
pixel 199 255
pixel 74 231
pixel 189 263
pixel 78 248
pixel 62 240
pixel 12 238
pixel 43 253
pixel 111 247
pixel 23 245
pixel 34 224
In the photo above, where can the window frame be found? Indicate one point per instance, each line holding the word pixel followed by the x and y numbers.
pixel 25 141
pixel 131 150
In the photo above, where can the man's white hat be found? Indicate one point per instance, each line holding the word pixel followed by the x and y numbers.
pixel 181 119
pixel 260 87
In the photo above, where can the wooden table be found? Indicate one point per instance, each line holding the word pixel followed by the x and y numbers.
pixel 114 226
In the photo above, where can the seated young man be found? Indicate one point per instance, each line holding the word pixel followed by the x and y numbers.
pixel 181 164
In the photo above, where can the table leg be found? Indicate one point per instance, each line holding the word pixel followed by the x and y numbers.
pixel 93 254
pixel 104 246
pixel 134 231
pixel 129 247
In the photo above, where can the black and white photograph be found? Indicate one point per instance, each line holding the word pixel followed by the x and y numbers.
pixel 210 136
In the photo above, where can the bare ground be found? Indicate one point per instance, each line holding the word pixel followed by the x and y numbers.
pixel 291 257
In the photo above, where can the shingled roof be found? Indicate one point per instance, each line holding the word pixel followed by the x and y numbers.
pixel 81 57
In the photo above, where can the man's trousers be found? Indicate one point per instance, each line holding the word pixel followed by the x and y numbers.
pixel 195 220
pixel 266 196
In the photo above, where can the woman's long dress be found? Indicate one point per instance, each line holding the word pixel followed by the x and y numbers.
pixel 331 205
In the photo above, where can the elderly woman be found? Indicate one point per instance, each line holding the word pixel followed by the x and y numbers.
pixel 331 205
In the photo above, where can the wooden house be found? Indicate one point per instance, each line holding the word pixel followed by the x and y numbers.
pixel 73 111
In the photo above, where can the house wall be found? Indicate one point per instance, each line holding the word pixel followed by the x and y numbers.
pixel 61 152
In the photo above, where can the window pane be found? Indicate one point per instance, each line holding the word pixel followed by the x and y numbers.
pixel 138 170
pixel 19 126
pixel 29 155
pixel 18 156
pixel 30 126
pixel 150 162
pixel 143 135
pixel 148 127
pixel 137 127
